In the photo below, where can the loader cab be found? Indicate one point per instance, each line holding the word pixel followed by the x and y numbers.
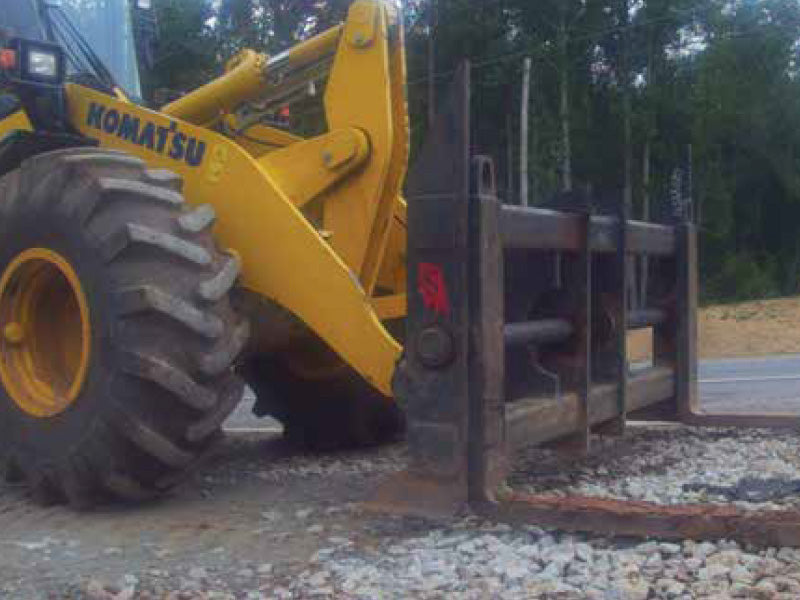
pixel 102 40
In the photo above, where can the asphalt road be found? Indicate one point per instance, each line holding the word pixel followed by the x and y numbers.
pixel 763 384
pixel 759 384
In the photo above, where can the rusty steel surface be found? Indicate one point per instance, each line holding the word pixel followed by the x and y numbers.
pixel 765 421
pixel 542 331
pixel 432 381
pixel 646 317
pixel 531 421
pixel 543 228
pixel 418 494
pixel 646 519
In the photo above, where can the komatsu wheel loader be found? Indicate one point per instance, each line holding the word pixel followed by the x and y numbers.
pixel 152 261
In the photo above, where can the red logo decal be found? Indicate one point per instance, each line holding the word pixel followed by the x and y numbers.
pixel 430 281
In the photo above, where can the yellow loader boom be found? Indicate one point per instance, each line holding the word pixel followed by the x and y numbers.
pixel 318 224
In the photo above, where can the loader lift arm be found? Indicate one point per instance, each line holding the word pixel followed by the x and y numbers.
pixel 365 109
pixel 313 218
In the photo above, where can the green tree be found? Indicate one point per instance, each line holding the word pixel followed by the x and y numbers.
pixel 186 54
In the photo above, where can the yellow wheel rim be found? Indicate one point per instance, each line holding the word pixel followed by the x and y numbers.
pixel 45 333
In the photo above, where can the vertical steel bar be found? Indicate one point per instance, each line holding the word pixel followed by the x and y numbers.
pixel 666 276
pixel 487 443
pixel 581 376
pixel 585 349
pixel 622 318
pixel 686 338
pixel 433 378
pixel 619 310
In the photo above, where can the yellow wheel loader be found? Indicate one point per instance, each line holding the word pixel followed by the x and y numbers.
pixel 153 261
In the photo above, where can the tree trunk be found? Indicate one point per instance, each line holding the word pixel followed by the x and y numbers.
pixel 534 149
pixel 564 113
pixel 524 200
pixel 636 295
pixel 509 159
pixel 645 217
pixel 626 104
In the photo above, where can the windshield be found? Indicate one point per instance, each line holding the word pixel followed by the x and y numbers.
pixel 19 19
pixel 106 25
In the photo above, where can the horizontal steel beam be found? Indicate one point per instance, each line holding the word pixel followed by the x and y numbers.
pixel 755 420
pixel 605 516
pixel 646 317
pixel 551 331
pixel 543 229
pixel 546 331
pixel 531 421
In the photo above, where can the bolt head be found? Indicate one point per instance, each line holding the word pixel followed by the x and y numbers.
pixel 435 347
pixel 13 333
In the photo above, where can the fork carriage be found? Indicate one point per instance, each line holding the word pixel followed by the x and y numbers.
pixel 517 332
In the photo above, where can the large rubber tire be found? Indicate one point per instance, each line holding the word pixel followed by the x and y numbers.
pixel 163 334
pixel 327 414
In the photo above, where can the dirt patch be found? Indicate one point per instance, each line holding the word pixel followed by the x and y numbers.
pixel 243 526
pixel 755 328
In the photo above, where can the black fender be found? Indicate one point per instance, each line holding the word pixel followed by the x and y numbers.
pixel 21 145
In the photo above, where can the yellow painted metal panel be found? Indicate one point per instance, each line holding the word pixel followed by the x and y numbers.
pixel 284 258
pixel 398 164
pixel 359 94
pixel 15 122
pixel 304 170
pixel 309 51
pixel 259 140
pixel 243 79
pixel 390 307
pixel 393 268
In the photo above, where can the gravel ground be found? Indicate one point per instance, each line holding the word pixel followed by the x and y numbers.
pixel 672 464
pixel 260 522
pixel 478 560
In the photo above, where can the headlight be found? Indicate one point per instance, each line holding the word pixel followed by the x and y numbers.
pixel 42 63
pixel 35 62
